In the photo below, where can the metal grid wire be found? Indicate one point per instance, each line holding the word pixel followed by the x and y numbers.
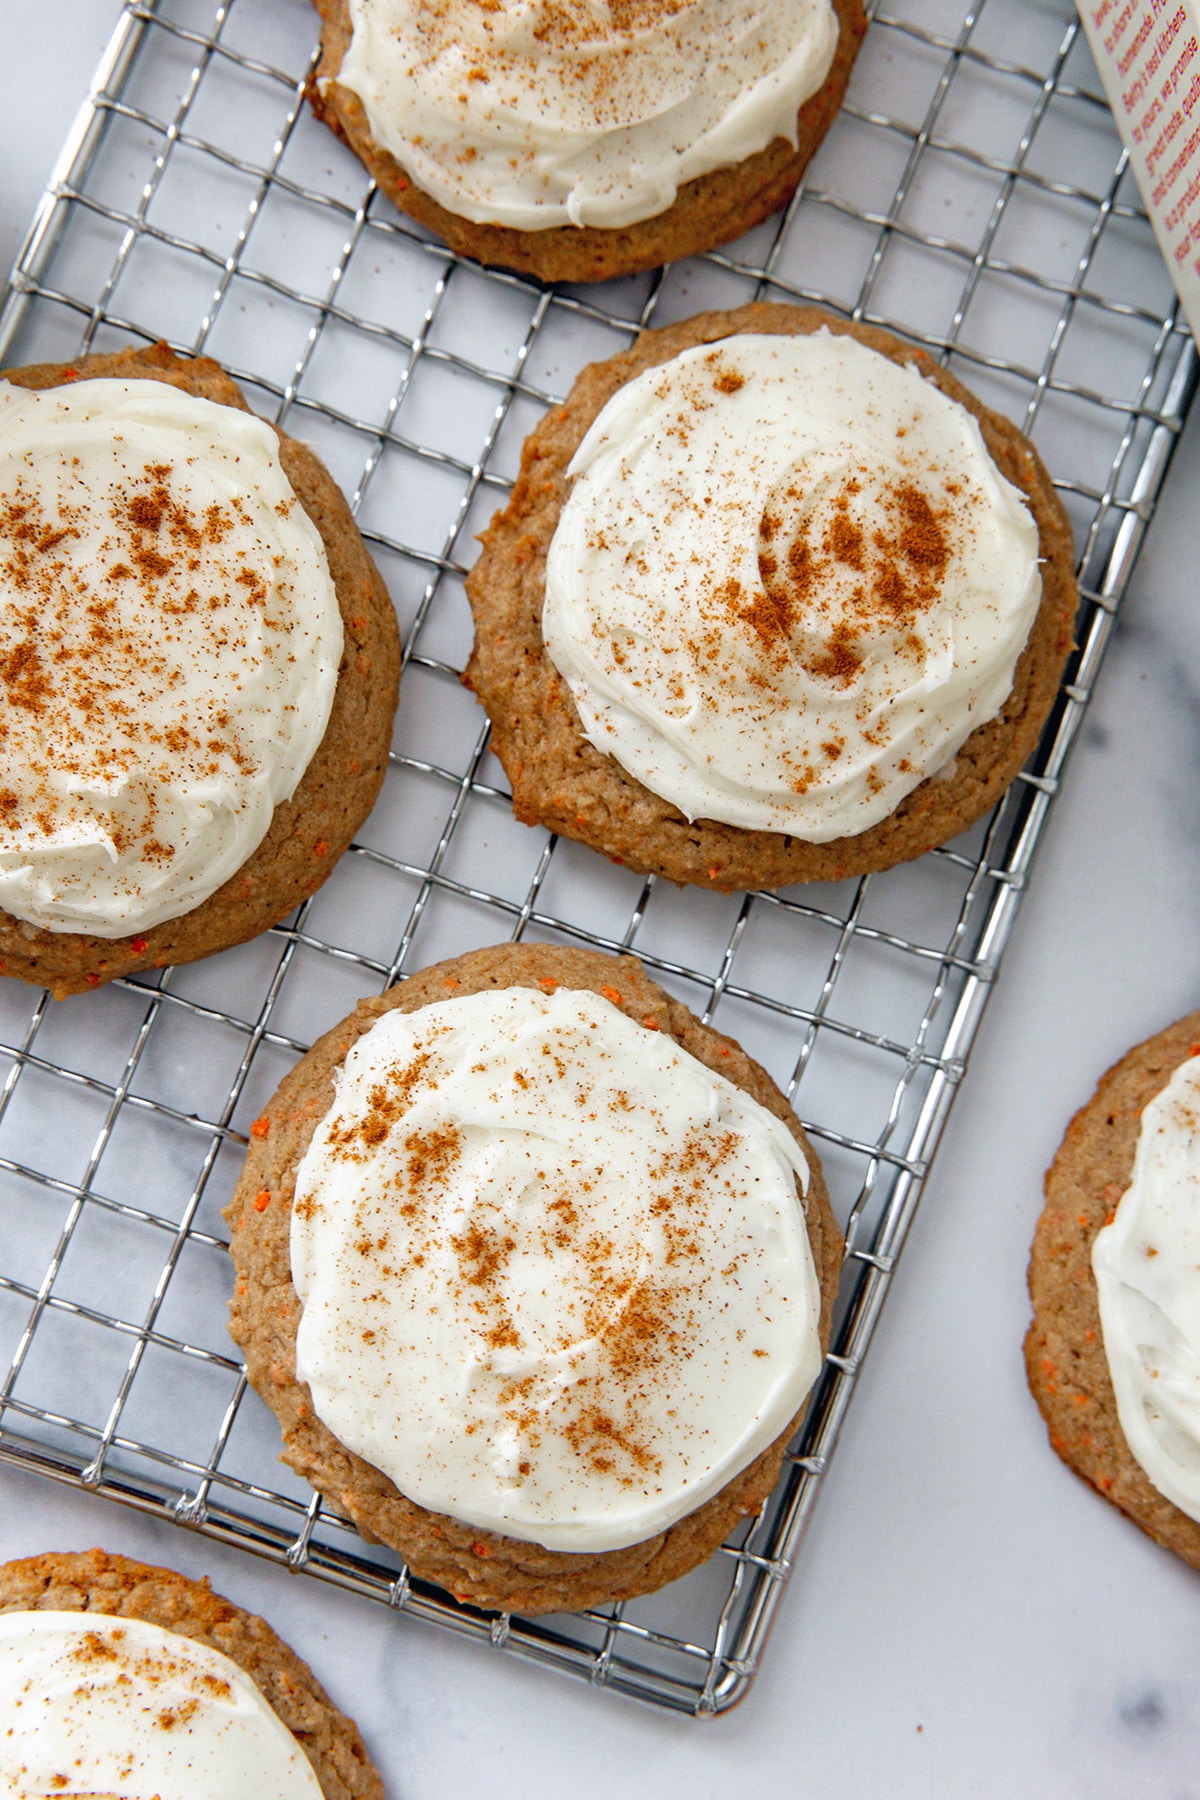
pixel 973 195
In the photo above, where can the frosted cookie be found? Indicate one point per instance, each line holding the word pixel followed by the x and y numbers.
pixel 536 1272
pixel 579 142
pixel 774 600
pixel 1113 1353
pixel 117 1678
pixel 198 675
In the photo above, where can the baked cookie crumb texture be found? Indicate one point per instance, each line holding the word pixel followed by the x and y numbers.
pixel 561 780
pixel 94 1581
pixel 709 210
pixel 1065 1358
pixel 485 1567
pixel 309 831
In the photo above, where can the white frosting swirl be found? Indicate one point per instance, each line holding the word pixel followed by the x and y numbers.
pixel 121 1709
pixel 538 113
pixel 171 646
pixel 1147 1269
pixel 555 1274
pixel 788 582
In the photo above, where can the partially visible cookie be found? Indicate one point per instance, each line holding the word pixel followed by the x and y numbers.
pixel 483 1566
pixel 562 780
pixel 708 210
pixel 114 1586
pixel 1064 1350
pixel 309 831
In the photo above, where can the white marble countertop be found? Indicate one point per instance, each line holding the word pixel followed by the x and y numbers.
pixel 968 1618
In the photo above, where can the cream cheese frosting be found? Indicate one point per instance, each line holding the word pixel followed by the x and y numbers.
pixel 171 646
pixel 554 1272
pixel 788 582
pixel 540 113
pixel 1147 1268
pixel 119 1708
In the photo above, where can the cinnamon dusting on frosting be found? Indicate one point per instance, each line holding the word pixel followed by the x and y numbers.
pixel 150 640
pixel 74 668
pixel 538 113
pixel 787 582
pixel 106 1705
pixel 902 564
pixel 548 1214
pixel 641 1328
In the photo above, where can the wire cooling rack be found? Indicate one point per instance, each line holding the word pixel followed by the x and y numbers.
pixel 972 195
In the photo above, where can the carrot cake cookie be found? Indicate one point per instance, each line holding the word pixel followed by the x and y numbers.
pixel 577 141
pixel 1113 1353
pixel 117 1678
pixel 198 662
pixel 774 599
pixel 536 1271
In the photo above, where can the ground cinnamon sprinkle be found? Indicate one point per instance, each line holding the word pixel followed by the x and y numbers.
pixel 25 681
pixel 599 52
pixel 840 661
pixel 433 1155
pixel 726 380
pixel 845 541
pixel 643 1333
pixel 903 565
pixel 598 1440
pixel 913 558
pixel 388 1103
pixel 145 1669
pixel 566 23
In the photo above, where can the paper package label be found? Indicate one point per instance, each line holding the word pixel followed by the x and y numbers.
pixel 1148 55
